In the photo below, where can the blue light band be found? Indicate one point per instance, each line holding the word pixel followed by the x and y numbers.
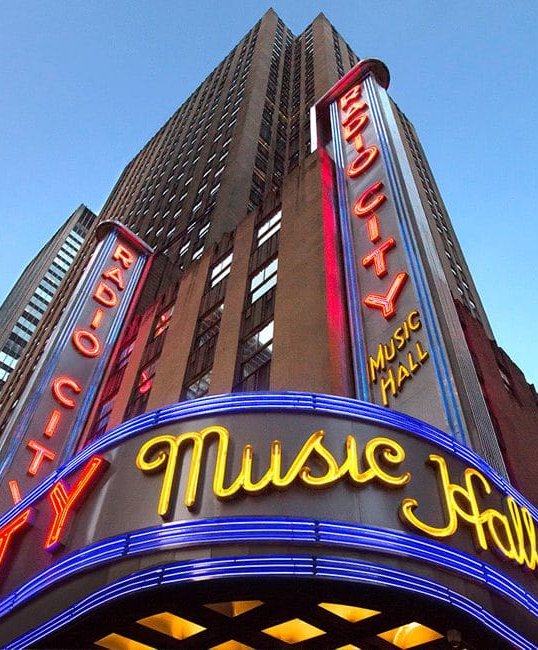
pixel 284 402
pixel 354 311
pixel 271 566
pixel 439 356
pixel 249 530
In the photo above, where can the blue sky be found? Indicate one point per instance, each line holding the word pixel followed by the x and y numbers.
pixel 86 84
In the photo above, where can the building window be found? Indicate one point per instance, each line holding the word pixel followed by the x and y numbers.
pixel 255 355
pixel 198 375
pixel 268 228
pixel 163 322
pixel 264 280
pixel 140 396
pixel 198 388
pixel 221 270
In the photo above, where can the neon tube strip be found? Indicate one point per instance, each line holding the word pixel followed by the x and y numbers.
pixel 246 530
pixel 334 534
pixel 270 566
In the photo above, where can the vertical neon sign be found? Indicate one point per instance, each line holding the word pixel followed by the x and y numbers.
pixel 398 356
pixel 47 424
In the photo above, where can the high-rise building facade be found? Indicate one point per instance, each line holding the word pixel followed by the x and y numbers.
pixel 267 408
pixel 23 309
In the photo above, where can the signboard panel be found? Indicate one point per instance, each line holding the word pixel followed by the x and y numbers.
pixel 400 360
pixel 368 481
pixel 45 428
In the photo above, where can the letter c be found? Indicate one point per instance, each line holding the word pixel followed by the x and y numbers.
pixel 413 320
pixel 58 387
pixel 369 200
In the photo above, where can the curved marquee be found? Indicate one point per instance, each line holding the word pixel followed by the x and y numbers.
pixel 222 522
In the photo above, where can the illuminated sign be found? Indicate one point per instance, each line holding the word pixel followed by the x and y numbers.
pixel 152 457
pixel 392 377
pixel 382 278
pixel 513 535
pixel 46 427
pixel 63 502
pixel 385 268
pixel 354 119
pixel 218 469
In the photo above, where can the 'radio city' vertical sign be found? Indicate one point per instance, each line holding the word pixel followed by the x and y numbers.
pixel 398 356
pixel 46 425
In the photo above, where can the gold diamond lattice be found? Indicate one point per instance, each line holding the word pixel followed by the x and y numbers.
pixel 293 631
pixel 234 608
pixel 172 625
pixel 348 612
pixel 118 642
pixel 410 635
pixel 231 645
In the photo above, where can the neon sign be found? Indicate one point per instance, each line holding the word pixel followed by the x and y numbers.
pixel 163 452
pixel 87 344
pixel 354 118
pixel 64 501
pixel 393 486
pixel 373 201
pixel 394 379
pixel 46 429
pixel 512 535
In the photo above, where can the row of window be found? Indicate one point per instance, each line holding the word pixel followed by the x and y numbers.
pixel 441 225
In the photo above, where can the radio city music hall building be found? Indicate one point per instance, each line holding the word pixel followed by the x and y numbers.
pixel 266 409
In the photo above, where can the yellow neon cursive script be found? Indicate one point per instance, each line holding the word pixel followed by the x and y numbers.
pixel 513 535
pixel 162 454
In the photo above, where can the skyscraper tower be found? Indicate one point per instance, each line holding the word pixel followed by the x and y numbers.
pixel 23 309
pixel 277 304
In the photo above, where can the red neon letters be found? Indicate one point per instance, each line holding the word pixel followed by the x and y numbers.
pixel 64 502
pixel 65 390
pixel 58 387
pixel 123 255
pixel 40 454
pixel 387 303
pixel 354 121
pixel 6 533
pixel 86 343
pixel 105 295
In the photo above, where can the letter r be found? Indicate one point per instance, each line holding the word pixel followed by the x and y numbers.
pixel 124 255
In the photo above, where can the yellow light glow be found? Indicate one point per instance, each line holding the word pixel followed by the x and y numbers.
pixel 349 613
pixel 161 454
pixel 234 607
pixel 410 635
pixel 348 647
pixel 293 631
pixel 118 642
pixel 172 625
pixel 231 645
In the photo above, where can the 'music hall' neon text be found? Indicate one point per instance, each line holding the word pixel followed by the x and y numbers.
pixel 511 533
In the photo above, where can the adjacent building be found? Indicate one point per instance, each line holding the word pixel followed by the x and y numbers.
pixel 267 408
pixel 24 307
